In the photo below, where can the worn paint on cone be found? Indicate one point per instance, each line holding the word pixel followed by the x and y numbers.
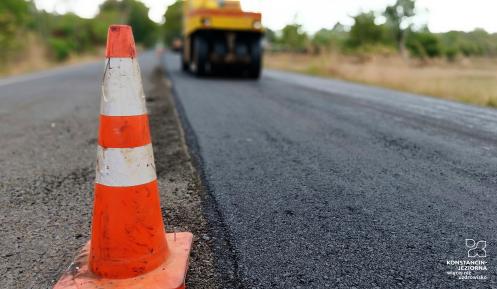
pixel 129 248
pixel 120 42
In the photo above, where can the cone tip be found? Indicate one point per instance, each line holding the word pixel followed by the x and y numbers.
pixel 120 42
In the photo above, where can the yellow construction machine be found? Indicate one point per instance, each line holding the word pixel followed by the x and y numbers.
pixel 218 35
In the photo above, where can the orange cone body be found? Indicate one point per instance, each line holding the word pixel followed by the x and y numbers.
pixel 127 232
pixel 129 247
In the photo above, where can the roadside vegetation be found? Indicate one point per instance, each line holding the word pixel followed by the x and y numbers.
pixel 31 39
pixel 385 48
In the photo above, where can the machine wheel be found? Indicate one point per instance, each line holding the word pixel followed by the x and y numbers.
pixel 255 67
pixel 200 55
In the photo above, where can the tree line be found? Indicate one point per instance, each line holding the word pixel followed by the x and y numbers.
pixel 68 34
pixel 391 31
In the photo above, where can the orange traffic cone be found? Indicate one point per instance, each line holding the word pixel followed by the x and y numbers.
pixel 128 247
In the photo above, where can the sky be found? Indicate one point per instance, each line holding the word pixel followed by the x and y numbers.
pixel 439 15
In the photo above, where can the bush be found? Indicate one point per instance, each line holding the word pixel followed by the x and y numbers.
pixel 451 53
pixel 423 44
pixel 60 48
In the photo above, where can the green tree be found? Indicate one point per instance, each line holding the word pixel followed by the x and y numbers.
pixel 145 31
pixel 174 22
pixel 294 38
pixel 323 38
pixel 115 11
pixel 330 38
pixel 130 12
pixel 365 31
pixel 398 19
pixel 270 36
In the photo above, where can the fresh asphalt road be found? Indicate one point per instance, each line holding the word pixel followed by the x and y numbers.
pixel 326 184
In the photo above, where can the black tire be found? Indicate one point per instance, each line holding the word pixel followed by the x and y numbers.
pixel 255 67
pixel 200 56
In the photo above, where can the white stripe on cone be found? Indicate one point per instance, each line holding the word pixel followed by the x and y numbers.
pixel 122 91
pixel 125 167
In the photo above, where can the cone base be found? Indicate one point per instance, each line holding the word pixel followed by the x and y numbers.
pixel 169 275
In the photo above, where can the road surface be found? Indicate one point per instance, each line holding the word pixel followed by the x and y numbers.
pixel 327 184
pixel 311 183
pixel 48 125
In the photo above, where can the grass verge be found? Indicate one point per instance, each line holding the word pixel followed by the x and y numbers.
pixel 471 81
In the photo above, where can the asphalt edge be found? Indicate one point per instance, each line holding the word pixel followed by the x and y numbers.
pixel 224 252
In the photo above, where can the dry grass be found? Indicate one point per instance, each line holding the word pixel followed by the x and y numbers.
pixel 469 80
pixel 35 57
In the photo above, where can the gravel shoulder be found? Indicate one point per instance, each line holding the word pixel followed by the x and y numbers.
pixel 182 206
